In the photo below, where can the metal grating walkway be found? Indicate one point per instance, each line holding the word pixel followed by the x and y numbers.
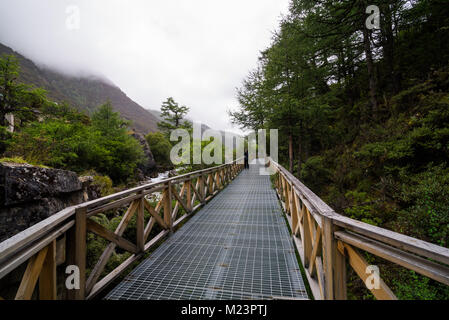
pixel 236 247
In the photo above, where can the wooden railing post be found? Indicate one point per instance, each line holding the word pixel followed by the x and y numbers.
pixel 201 187
pixel 168 207
pixel 340 281
pixel 189 195
pixel 140 225
pixel 76 252
pixel 329 254
pixel 47 278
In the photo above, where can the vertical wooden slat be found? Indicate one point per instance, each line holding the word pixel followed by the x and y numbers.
pixel 211 183
pixel 201 189
pixel 329 248
pixel 189 195
pixel 47 278
pixel 294 213
pixel 359 264
pixel 340 281
pixel 31 275
pixel 80 250
pixel 104 258
pixel 307 237
pixel 168 207
pixel 140 225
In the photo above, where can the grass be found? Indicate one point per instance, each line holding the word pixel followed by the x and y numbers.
pixel 20 160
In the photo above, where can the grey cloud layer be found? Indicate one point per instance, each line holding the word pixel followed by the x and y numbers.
pixel 196 51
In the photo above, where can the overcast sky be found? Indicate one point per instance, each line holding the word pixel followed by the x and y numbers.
pixel 196 51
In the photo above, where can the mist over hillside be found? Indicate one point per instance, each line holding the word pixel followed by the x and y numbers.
pixel 84 92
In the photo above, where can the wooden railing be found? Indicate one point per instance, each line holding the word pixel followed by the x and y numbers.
pixel 61 238
pixel 326 241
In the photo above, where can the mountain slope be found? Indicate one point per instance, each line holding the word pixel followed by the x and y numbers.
pixel 84 93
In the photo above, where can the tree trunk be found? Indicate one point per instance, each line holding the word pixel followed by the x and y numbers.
pixel 370 66
pixel 290 152
pixel 299 155
pixel 388 47
pixel 2 119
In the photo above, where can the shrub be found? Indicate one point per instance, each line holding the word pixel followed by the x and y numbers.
pixel 160 147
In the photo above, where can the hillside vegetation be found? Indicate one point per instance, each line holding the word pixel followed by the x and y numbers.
pixel 83 93
pixel 363 117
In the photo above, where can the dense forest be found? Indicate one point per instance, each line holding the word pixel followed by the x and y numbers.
pixel 363 116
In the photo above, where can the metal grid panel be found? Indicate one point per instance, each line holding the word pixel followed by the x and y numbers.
pixel 237 247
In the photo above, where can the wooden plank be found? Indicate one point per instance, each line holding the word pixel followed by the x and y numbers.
pixel 340 280
pixel 155 215
pixel 23 255
pixel 315 251
pixel 47 278
pixel 140 224
pixel 61 251
pixel 313 283
pixel 306 239
pixel 180 200
pixel 168 206
pixel 81 250
pixel 198 193
pixel 294 213
pixel 189 195
pixel 400 241
pixel 101 231
pixel 359 265
pixel 423 266
pixel 328 258
pixel 31 275
pixel 320 276
pixel 15 243
pixel 112 205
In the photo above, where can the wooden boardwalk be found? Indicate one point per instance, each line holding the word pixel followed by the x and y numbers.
pixel 237 247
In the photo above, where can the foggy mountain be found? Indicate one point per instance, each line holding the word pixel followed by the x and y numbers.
pixel 84 93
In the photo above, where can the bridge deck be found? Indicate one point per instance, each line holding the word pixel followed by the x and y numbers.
pixel 236 247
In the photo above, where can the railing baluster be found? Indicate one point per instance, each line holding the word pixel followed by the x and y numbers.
pixel 168 207
pixel 140 225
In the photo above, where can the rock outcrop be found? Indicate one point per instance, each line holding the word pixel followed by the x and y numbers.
pixel 29 194
pixel 148 168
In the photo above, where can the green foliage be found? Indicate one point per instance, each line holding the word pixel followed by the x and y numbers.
pixel 315 172
pixel 425 198
pixel 408 285
pixel 5 139
pixel 173 116
pixel 120 152
pixel 363 115
pixel 362 208
pixel 160 147
pixel 16 98
pixel 104 145
pixel 104 183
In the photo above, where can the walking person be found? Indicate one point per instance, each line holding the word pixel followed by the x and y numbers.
pixel 246 160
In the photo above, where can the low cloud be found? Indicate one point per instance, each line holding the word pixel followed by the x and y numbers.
pixel 196 51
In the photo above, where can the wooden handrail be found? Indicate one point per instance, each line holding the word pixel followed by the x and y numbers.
pixel 326 241
pixel 39 244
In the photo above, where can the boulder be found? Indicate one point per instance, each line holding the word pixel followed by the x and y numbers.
pixel 20 183
pixel 30 194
